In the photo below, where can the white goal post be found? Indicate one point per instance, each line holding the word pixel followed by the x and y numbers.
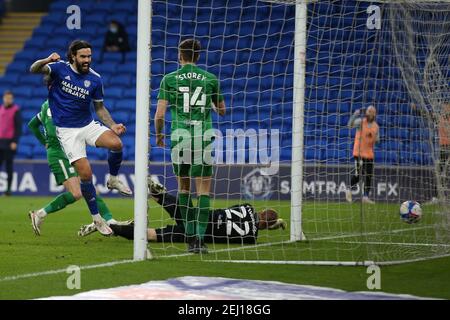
pixel 142 128
pixel 303 68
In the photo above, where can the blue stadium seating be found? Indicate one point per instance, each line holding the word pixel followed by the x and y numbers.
pixel 25 152
pixel 23 91
pixel 254 62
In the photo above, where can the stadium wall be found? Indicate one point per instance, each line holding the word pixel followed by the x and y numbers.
pixel 326 183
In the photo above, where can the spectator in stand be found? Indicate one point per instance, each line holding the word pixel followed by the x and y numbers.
pixel 10 130
pixel 116 40
pixel 2 10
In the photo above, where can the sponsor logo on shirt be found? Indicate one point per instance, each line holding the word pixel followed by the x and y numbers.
pixel 74 90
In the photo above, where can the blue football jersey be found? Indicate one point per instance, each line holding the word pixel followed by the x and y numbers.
pixel 71 94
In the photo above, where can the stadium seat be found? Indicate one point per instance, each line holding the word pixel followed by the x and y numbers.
pixel 387 157
pixel 311 154
pixel 126 104
pixel 58 44
pixel 393 145
pixel 112 57
pixel 43 30
pixel 422 134
pixel 17 67
pixel 97 43
pixel 124 80
pixel 104 68
pixel 98 19
pixel 39 92
pixel 399 133
pixel 334 154
pixel 121 117
pixel 25 151
pixel 33 104
pixel 29 54
pixel 123 6
pixel 332 120
pixel 126 68
pixel 27 115
pixel 55 18
pixel 114 92
pixel 407 121
pixel 23 91
pixel 255 69
pixel 39 152
pixel 31 80
pixel 29 140
pixel 156 154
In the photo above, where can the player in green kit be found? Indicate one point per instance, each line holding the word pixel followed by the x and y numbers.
pixel 63 172
pixel 191 93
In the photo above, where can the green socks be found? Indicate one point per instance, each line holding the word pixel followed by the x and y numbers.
pixel 60 202
pixel 195 220
pixel 103 209
pixel 203 215
pixel 191 218
pixel 185 207
pixel 66 198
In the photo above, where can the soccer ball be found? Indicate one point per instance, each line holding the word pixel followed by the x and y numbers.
pixel 410 211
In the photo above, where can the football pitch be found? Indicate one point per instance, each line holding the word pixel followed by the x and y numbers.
pixel 34 267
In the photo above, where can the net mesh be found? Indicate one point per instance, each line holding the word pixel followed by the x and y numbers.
pixel 392 56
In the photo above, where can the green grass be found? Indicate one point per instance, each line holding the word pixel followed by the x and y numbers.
pixel 352 235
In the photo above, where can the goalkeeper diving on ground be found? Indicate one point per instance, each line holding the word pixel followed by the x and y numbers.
pixel 237 224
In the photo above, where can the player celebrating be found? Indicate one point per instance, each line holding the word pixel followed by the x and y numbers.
pixel 63 172
pixel 191 92
pixel 366 136
pixel 237 224
pixel 74 86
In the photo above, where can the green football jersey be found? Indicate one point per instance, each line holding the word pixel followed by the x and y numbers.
pixel 45 117
pixel 190 92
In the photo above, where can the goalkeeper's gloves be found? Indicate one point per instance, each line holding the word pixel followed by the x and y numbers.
pixel 280 223
pixel 359 112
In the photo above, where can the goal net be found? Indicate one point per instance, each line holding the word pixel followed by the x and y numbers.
pixel 292 74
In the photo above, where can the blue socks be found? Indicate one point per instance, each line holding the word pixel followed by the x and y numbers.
pixel 90 195
pixel 114 161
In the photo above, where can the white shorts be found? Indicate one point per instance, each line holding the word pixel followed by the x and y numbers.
pixel 73 140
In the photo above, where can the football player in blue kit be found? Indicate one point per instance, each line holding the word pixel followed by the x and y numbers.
pixel 74 86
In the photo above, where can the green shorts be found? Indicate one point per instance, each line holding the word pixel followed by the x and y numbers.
pixel 192 170
pixel 194 166
pixel 60 166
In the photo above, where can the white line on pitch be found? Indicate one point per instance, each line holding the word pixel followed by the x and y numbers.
pixel 114 263
pixel 44 273
pixel 335 263
pixel 229 249
pixel 409 244
pixel 370 233
pixel 313 239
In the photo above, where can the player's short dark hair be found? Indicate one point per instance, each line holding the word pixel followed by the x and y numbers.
pixel 190 50
pixel 75 46
pixel 8 92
